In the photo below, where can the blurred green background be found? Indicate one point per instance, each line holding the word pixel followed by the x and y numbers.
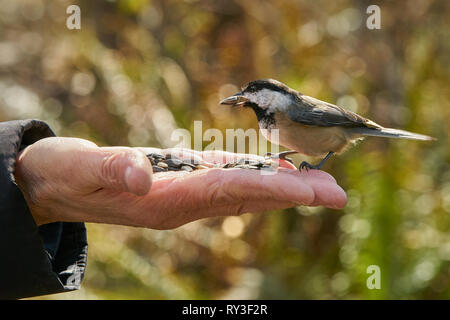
pixel 139 69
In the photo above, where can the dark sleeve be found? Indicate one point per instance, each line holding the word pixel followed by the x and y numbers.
pixel 33 260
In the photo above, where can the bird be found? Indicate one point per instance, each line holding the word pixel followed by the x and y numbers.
pixel 305 124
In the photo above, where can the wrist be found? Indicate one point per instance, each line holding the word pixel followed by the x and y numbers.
pixel 27 183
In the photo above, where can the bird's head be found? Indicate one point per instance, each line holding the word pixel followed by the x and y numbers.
pixel 263 95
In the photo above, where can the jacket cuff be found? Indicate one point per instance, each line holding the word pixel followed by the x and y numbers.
pixel 35 260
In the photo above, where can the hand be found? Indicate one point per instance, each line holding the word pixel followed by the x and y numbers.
pixel 69 179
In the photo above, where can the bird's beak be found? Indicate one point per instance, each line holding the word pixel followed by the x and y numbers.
pixel 235 100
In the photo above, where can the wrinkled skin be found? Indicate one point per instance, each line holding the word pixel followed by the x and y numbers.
pixel 70 179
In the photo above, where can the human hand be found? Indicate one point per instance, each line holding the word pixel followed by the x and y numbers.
pixel 69 179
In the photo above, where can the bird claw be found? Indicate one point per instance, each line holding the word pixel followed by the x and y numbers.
pixel 305 165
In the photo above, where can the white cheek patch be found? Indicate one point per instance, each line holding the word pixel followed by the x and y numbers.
pixel 269 99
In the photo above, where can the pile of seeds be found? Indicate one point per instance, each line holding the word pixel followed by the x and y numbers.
pixel 161 163
pixel 249 164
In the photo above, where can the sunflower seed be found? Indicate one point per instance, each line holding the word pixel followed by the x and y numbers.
pixel 193 166
pixel 162 165
pixel 158 169
pixel 174 162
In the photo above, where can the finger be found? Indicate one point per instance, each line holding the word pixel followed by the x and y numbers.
pixel 212 192
pixel 327 193
pixel 316 174
pixel 326 190
pixel 121 169
pixel 216 187
pixel 308 188
pixel 286 184
pixel 149 150
pixel 234 209
pixel 258 206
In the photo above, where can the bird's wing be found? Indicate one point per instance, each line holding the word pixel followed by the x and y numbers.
pixel 311 111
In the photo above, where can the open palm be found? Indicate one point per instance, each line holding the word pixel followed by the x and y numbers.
pixel 68 179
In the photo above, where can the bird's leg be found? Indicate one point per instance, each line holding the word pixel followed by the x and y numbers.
pixel 307 166
pixel 281 155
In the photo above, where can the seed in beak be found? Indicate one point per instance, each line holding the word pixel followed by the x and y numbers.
pixel 234 100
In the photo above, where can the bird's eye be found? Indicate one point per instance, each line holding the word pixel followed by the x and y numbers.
pixel 250 88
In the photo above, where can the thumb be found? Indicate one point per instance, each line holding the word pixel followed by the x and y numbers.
pixel 122 169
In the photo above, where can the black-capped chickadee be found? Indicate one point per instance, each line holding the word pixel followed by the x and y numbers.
pixel 308 125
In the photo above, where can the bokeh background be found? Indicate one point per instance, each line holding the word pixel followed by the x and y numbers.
pixel 139 69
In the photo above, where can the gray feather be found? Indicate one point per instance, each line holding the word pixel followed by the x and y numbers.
pixel 311 111
pixel 391 133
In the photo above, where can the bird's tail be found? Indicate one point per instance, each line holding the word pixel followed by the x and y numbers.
pixel 392 133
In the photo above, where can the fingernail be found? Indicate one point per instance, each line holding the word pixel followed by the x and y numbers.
pixel 137 181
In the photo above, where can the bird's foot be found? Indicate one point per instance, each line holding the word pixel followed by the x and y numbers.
pixel 308 166
pixel 280 155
